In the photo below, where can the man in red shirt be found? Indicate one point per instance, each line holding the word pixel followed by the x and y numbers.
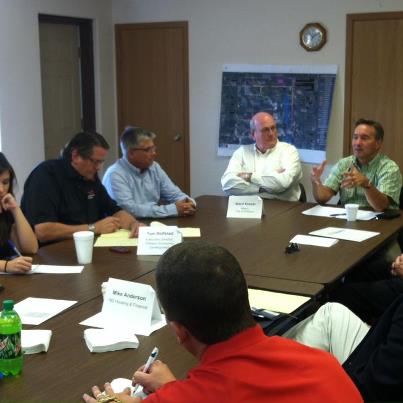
pixel 204 295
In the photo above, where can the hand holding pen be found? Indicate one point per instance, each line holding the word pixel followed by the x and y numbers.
pixel 146 368
pixel 152 376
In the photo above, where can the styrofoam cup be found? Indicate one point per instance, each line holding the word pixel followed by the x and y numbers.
pixel 84 242
pixel 351 211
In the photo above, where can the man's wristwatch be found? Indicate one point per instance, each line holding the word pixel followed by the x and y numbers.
pixel 91 227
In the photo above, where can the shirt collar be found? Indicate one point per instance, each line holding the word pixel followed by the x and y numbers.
pixel 133 168
pixel 243 339
pixel 72 173
pixel 370 163
pixel 267 152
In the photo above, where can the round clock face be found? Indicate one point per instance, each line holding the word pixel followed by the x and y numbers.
pixel 313 36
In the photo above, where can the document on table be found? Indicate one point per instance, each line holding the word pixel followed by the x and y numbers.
pixel 99 321
pixel 187 232
pixel 118 238
pixel 314 240
pixel 275 301
pixel 345 233
pixel 50 269
pixel 338 212
pixel 53 269
pixel 34 311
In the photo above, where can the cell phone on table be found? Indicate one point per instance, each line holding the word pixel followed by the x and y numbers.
pixel 120 249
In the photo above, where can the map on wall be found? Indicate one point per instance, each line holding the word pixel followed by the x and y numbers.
pixel 299 98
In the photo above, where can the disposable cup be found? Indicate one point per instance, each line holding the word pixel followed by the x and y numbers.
pixel 84 242
pixel 351 211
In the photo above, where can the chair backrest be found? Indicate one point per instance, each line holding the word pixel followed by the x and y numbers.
pixel 302 197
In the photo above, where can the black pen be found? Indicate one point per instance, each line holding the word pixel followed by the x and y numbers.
pixel 337 214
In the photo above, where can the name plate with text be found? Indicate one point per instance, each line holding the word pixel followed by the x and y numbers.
pixel 156 240
pixel 245 207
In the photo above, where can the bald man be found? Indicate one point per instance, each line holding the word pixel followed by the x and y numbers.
pixel 269 168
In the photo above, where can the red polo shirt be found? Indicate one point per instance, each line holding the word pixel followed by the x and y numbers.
pixel 251 367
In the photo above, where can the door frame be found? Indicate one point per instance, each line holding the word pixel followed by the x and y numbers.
pixel 86 64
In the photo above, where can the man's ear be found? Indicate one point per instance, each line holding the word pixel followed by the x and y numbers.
pixel 74 155
pixel 181 333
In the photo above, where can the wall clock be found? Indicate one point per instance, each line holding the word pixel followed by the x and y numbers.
pixel 313 36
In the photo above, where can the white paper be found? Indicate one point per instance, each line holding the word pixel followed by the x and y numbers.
pixel 339 212
pixel 101 340
pixel 35 341
pixel 155 240
pixel 245 207
pixel 314 240
pixel 187 232
pixel 98 320
pixel 120 384
pixel 53 269
pixel 275 301
pixel 345 233
pixel 34 311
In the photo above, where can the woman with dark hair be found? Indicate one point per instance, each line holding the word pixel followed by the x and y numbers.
pixel 15 231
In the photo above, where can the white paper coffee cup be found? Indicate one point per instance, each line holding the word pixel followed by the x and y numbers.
pixel 351 211
pixel 84 242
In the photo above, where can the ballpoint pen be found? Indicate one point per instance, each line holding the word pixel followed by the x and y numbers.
pixel 14 248
pixel 152 357
pixel 337 214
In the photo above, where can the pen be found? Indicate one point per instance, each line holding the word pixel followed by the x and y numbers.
pixel 14 248
pixel 337 214
pixel 152 357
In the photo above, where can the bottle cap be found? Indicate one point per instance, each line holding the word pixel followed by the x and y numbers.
pixel 8 304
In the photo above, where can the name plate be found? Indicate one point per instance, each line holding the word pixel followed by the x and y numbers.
pixel 156 240
pixel 131 306
pixel 245 207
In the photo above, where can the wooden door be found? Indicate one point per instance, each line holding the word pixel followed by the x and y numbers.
pixel 152 87
pixel 374 77
pixel 61 93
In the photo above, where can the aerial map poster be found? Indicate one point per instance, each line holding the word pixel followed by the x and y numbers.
pixel 299 98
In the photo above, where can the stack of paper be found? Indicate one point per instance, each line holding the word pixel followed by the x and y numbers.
pixel 35 341
pixel 100 340
pixel 118 238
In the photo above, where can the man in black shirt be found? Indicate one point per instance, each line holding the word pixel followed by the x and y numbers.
pixel 65 195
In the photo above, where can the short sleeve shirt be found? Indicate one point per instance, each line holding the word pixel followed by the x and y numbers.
pixel 56 192
pixel 382 172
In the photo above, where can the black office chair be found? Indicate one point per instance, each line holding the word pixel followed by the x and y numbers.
pixel 302 197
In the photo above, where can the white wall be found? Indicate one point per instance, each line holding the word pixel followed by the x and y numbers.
pixel 21 122
pixel 220 31
pixel 255 32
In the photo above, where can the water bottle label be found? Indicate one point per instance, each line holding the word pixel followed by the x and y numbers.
pixel 10 346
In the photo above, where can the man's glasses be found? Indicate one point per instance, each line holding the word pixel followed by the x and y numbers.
pixel 97 163
pixel 151 149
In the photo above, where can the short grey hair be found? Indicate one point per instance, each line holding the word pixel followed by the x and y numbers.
pixel 132 137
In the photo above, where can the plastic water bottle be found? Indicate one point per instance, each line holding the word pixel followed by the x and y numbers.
pixel 10 340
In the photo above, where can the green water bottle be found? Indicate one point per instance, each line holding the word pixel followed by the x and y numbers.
pixel 10 340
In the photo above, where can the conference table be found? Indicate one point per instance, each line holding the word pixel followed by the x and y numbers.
pixel 68 369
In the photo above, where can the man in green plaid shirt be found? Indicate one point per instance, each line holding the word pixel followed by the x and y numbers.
pixel 367 178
